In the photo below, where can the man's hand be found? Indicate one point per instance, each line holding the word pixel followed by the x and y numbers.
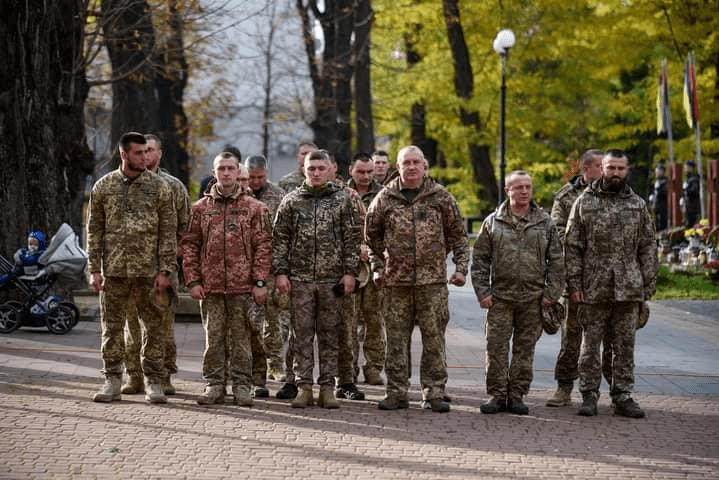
pixel 282 284
pixel 96 281
pixel 577 297
pixel 197 292
pixel 259 295
pixel 162 283
pixel 486 302
pixel 349 282
pixel 457 279
pixel 378 278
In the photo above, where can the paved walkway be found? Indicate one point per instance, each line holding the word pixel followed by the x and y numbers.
pixel 49 428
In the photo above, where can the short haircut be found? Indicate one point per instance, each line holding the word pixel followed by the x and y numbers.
pixel 131 137
pixel 254 162
pixel 380 153
pixel 233 150
pixel 323 155
pixel 360 157
pixel 154 138
pixel 243 170
pixel 224 156
pixel 409 148
pixel 588 156
pixel 302 143
pixel 616 153
pixel 513 175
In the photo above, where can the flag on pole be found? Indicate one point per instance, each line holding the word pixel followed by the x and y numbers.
pixel 691 106
pixel 663 113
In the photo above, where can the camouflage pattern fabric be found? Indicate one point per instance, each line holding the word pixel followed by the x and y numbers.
pixel 518 259
pixel 520 323
pixel 316 235
pixel 227 334
pixel 229 243
pixel 348 342
pixel 271 195
pixel 563 201
pixel 372 329
pixel 291 181
pixel 117 294
pixel 611 252
pixel 619 318
pixel 316 312
pixel 427 307
pixel 417 236
pixel 134 336
pixel 180 200
pixel 131 226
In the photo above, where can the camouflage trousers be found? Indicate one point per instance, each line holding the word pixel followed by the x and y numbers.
pixel 567 368
pixel 425 306
pixel 371 327
pixel 117 294
pixel 520 324
pixel 134 338
pixel 347 353
pixel 257 344
pixel 228 332
pixel 315 312
pixel 619 320
pixel 276 324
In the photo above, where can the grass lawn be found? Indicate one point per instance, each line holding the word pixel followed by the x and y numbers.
pixel 683 286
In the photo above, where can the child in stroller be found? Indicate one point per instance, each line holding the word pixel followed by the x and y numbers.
pixel 31 278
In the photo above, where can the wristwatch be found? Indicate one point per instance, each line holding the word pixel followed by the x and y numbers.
pixel 260 283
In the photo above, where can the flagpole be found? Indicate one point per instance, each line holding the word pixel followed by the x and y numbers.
pixel 700 170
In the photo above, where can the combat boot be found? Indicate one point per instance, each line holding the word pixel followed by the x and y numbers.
pixel 287 392
pixel 589 405
pixel 242 396
pixel 562 397
pixel 110 391
pixel 166 384
pixel 212 394
pixel 496 404
pixel 134 384
pixel 327 397
pixel 517 406
pixel 304 397
pixel 628 408
pixel 393 403
pixel 372 377
pixel 154 394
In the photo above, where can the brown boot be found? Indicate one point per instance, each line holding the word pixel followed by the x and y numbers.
pixel 562 397
pixel 304 397
pixel 110 391
pixel 327 397
pixel 134 385
pixel 166 384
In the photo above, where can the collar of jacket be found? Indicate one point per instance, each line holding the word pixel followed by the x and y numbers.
pixel 327 188
pixel 534 215
pixel 596 189
pixel 578 182
pixel 141 177
pixel 427 187
pixel 218 197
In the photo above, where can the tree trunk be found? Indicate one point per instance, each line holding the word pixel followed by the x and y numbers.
pixel 418 132
pixel 44 154
pixel 483 170
pixel 362 81
pixel 130 42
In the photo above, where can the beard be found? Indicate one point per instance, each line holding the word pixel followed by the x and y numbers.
pixel 614 184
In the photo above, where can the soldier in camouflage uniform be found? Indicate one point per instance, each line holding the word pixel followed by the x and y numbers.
pixel 411 226
pixel 369 298
pixel 277 305
pixel 517 269
pixel 131 244
pixel 226 259
pixel 611 258
pixel 296 178
pixel 133 332
pixel 565 371
pixel 315 256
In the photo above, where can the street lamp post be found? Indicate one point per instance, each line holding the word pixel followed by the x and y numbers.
pixel 502 43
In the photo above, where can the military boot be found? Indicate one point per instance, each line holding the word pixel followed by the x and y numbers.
pixel 628 408
pixel 562 397
pixel 135 384
pixel 154 394
pixel 166 384
pixel 110 390
pixel 304 397
pixel 589 404
pixel 242 396
pixel 212 394
pixel 327 397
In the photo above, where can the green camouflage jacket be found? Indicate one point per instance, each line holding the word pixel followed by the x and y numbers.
pixel 518 260
pixel 291 181
pixel 610 249
pixel 131 226
pixel 563 201
pixel 271 195
pixel 181 200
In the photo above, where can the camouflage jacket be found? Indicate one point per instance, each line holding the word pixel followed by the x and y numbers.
pixel 563 201
pixel 374 189
pixel 410 241
pixel 518 259
pixel 610 249
pixel 131 226
pixel 181 200
pixel 229 243
pixel 316 235
pixel 291 181
pixel 271 195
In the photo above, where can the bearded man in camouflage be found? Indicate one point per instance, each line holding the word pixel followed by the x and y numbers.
pixel 517 269
pixel 611 258
pixel 226 260
pixel 315 248
pixel 131 244
pixel 410 228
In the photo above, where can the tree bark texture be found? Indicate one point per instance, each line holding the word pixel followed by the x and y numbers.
pixel 362 79
pixel 483 170
pixel 43 151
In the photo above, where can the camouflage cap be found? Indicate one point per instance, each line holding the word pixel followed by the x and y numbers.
pixel 552 317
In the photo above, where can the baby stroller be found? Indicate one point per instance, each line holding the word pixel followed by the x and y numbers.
pixel 64 263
